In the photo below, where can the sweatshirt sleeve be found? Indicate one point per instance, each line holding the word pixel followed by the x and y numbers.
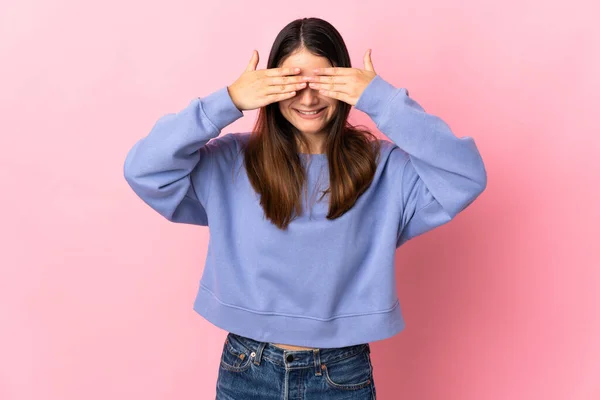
pixel 435 173
pixel 171 168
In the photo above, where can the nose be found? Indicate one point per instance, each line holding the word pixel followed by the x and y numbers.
pixel 308 96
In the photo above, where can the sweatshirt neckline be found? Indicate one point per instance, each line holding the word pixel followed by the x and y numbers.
pixel 320 155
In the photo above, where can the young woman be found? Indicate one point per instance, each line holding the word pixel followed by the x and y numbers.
pixel 305 212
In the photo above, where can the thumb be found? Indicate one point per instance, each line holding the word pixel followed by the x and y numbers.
pixel 367 61
pixel 253 61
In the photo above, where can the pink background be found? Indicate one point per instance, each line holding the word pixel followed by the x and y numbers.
pixel 96 289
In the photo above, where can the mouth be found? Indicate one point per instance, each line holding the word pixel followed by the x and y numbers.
pixel 310 115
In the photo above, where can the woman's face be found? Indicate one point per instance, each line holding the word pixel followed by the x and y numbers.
pixel 308 99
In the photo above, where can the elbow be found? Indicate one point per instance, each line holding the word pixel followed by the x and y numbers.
pixel 131 171
pixel 481 182
pixel 477 171
pixel 477 176
pixel 142 184
pixel 130 175
pixel 481 179
pixel 476 186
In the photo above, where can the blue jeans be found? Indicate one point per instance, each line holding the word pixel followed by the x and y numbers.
pixel 252 370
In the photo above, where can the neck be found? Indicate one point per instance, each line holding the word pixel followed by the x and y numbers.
pixel 316 144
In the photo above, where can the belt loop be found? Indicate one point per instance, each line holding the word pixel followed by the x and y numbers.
pixel 317 361
pixel 259 352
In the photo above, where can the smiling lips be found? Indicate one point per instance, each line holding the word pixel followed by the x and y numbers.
pixel 317 109
pixel 312 115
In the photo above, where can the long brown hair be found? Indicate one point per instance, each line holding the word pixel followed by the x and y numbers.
pixel 271 158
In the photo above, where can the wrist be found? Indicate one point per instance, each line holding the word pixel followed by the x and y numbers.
pixel 233 100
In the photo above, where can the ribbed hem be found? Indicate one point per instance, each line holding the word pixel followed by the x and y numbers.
pixel 376 97
pixel 307 332
pixel 219 108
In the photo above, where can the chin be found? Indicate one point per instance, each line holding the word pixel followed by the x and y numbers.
pixel 312 131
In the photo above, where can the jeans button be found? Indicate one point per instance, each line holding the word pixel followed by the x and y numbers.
pixel 290 357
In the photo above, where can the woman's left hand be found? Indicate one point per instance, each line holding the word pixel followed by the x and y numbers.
pixel 345 84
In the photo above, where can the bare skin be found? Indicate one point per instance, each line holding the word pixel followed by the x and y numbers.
pixel 290 347
pixel 308 99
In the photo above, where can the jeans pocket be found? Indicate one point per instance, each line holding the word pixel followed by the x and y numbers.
pixel 352 373
pixel 235 356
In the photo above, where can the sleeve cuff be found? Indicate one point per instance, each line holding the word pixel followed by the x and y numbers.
pixel 376 96
pixel 219 108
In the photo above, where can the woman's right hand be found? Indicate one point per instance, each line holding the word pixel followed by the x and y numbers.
pixel 255 89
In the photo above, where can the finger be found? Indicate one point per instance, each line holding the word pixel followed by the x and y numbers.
pixel 367 61
pixel 334 71
pixel 273 98
pixel 253 61
pixel 275 89
pixel 334 87
pixel 340 79
pixel 284 80
pixel 336 95
pixel 282 71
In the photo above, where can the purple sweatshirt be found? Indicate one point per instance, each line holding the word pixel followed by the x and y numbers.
pixel 320 283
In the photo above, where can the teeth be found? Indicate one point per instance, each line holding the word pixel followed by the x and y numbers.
pixel 308 113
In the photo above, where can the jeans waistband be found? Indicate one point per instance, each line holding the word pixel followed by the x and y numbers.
pixel 298 358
